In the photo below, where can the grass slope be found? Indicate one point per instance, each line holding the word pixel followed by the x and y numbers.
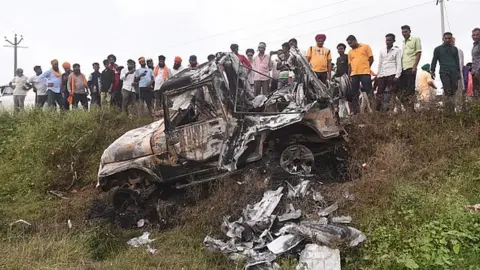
pixel 423 169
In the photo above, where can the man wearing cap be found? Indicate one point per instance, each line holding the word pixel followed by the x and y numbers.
pixel 128 87
pixel 54 85
pixel 19 83
pixel 193 64
pixel 39 87
pixel 77 87
pixel 320 59
pixel 161 73
pixel 144 77
pixel 177 65
pixel 262 65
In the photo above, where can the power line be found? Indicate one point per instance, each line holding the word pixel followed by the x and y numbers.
pixel 304 23
pixel 243 28
pixel 362 20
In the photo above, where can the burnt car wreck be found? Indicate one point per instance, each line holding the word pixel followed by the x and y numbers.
pixel 212 126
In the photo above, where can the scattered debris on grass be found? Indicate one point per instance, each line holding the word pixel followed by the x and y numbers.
pixel 141 240
pixel 21 221
pixel 260 237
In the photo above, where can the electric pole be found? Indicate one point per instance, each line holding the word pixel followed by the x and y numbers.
pixel 15 46
pixel 441 4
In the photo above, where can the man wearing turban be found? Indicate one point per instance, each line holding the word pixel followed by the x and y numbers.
pixel 54 85
pixel 144 77
pixel 320 59
pixel 426 86
pixel 177 65
pixel 66 66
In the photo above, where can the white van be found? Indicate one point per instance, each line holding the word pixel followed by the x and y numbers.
pixel 6 98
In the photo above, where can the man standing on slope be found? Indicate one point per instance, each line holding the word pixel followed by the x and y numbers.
pixel 39 87
pixel 94 84
pixel 360 59
pixel 19 83
pixel 389 71
pixel 161 73
pixel 476 62
pixel 320 59
pixel 66 66
pixel 447 55
pixel 54 85
pixel 144 77
pixel 77 88
pixel 411 55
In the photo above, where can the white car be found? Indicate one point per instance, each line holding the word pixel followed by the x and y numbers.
pixel 6 98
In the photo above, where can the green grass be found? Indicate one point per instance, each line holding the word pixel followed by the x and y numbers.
pixel 423 170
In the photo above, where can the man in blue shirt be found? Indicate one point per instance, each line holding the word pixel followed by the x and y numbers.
pixel 144 77
pixel 54 83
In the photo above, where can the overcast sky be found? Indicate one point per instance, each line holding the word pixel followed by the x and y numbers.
pixel 87 31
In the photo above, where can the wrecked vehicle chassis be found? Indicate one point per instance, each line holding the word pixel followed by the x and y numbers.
pixel 211 129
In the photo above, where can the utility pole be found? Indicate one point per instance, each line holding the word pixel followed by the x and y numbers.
pixel 15 46
pixel 441 4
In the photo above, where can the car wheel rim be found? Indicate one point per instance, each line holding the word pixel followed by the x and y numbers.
pixel 297 160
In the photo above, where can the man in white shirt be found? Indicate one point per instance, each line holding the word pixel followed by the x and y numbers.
pixel 128 89
pixel 389 71
pixel 177 65
pixel 161 73
pixel 39 87
pixel 19 83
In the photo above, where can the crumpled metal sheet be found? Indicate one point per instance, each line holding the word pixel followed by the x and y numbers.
pixel 327 234
pixel 328 210
pixel 141 240
pixel 342 219
pixel 299 190
pixel 284 243
pixel 291 213
pixel 262 211
pixel 315 257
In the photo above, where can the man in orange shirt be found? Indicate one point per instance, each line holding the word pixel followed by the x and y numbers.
pixel 320 59
pixel 360 59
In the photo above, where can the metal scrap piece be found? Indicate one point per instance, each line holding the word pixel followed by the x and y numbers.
pixel 327 234
pixel 232 229
pixel 290 214
pixel 342 219
pixel 328 210
pixel 315 257
pixel 299 190
pixel 141 240
pixel 317 196
pixel 259 258
pixel 284 243
pixel 262 210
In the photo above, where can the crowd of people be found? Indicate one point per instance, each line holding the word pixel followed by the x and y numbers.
pixel 395 83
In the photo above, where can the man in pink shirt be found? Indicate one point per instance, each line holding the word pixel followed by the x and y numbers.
pixel 263 65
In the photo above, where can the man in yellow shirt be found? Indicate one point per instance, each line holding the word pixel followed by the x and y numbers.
pixel 320 59
pixel 411 55
pixel 360 59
